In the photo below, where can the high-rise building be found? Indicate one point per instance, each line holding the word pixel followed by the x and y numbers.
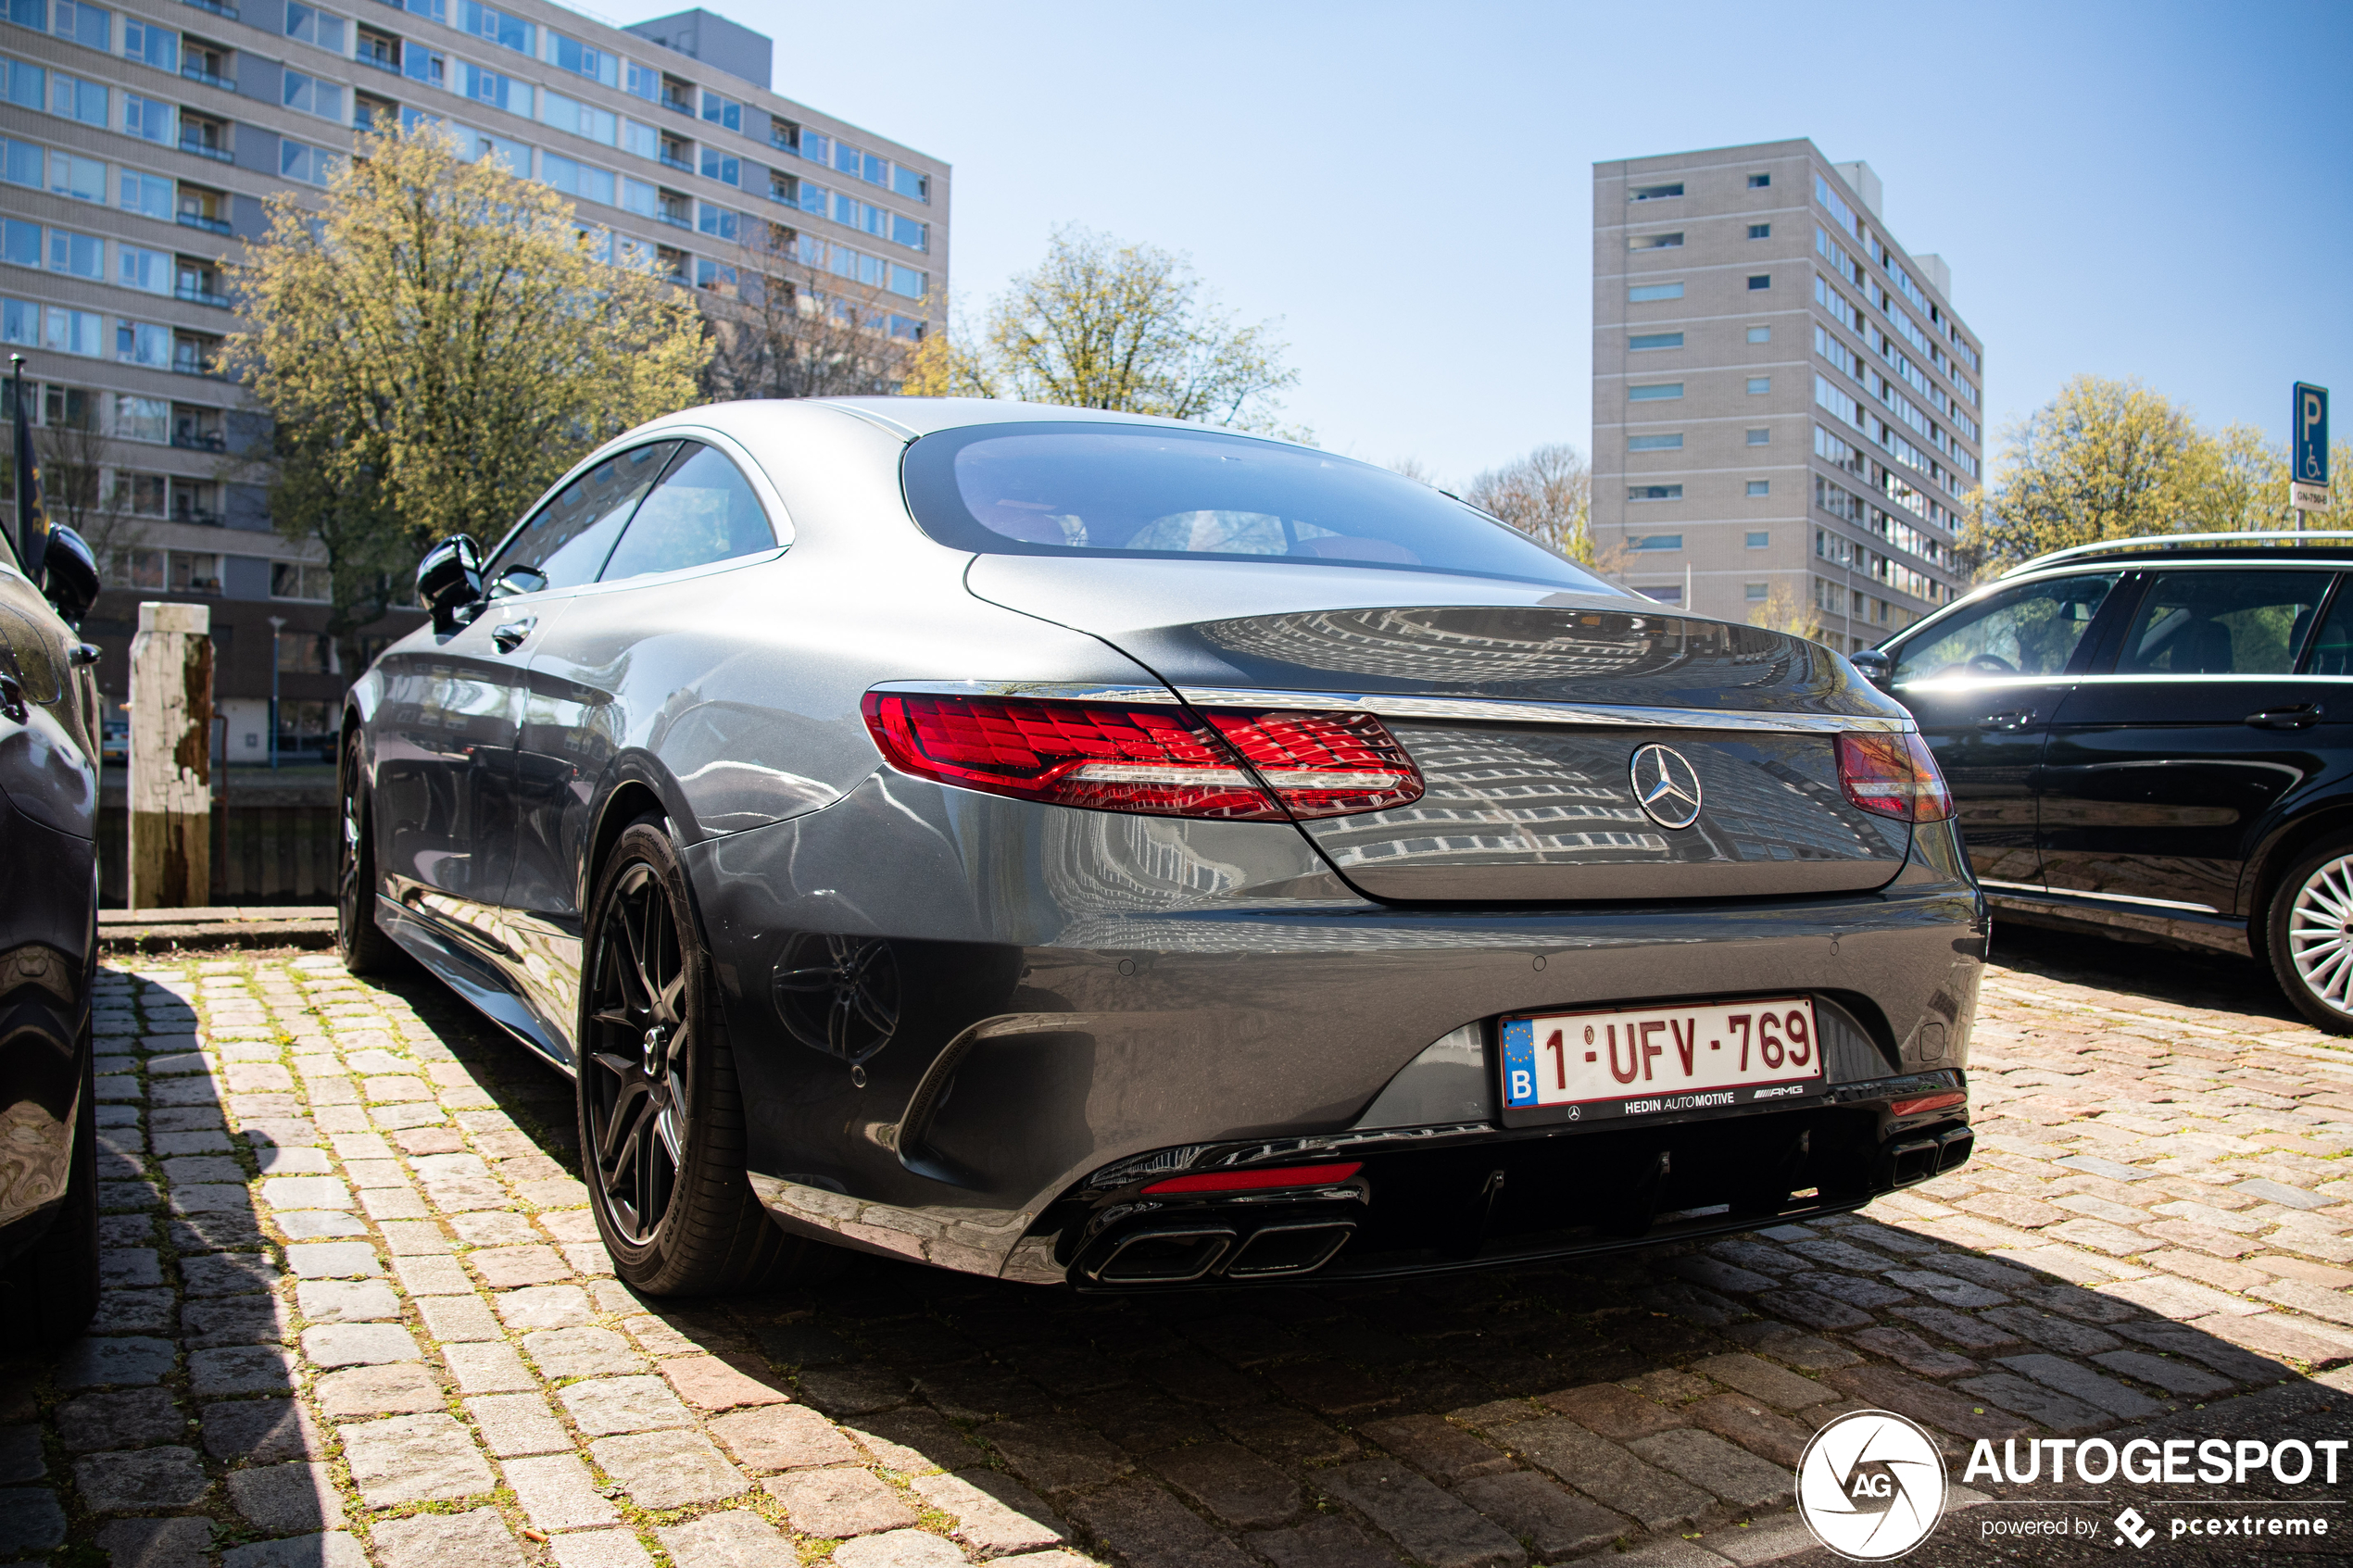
pixel 138 141
pixel 1787 411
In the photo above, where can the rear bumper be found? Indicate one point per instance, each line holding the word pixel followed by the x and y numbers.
pixel 1082 990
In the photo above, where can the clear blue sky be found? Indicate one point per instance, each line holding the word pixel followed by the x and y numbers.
pixel 2149 190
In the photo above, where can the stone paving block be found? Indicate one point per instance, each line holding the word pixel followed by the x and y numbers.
pixel 359 1344
pixel 1433 1527
pixel 414 1458
pixel 731 1538
pixel 328 1301
pixel 995 1515
pixel 1705 1460
pixel 599 1549
pixel 1055 1456
pixel 2067 1416
pixel 839 1503
pixel 335 1548
pixel 580 1352
pixel 1287 1437
pixel 21 1457
pixel 1145 1527
pixel 140 1480
pixel 399 1388
pixel 1603 1471
pixel 503 1268
pixel 1912 1353
pixel 334 1260
pixel 1439 1449
pixel 545 1305
pixel 1970 1334
pixel 118 1419
pixel 1613 1412
pixel 454 1318
pixel 557 1493
pixel 518 1423
pixel 157 1543
pixel 418 1238
pixel 1556 1523
pixel 856 1390
pixel 1753 1425
pixel 1813 1309
pixel 2171 1373
pixel 792 1437
pixel 1944 1289
pixel 114 1363
pixel 285 1499
pixel 668 1469
pixel 30 1520
pixel 2053 1372
pixel 2330 1306
pixel 487 1368
pixel 127 1268
pixel 2052 1333
pixel 477 1538
pixel 898 1548
pixel 1885 1388
pixel 318 1225
pixel 605 1405
pixel 1231 1484
pixel 1761 1379
pixel 132 1311
pixel 910 1441
pixel 252 1369
pixel 261 1431
pixel 1323 1541
pixel 708 1383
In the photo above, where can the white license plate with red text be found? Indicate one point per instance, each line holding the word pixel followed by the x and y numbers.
pixel 1655 1060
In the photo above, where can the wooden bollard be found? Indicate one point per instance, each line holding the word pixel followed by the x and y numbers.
pixel 171 758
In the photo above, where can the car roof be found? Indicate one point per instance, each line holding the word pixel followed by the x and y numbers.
pixel 2162 548
pixel 921 416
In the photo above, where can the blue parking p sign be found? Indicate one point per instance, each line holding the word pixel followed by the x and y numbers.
pixel 2310 435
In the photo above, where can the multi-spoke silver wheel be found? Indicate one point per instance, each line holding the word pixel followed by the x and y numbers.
pixel 2320 933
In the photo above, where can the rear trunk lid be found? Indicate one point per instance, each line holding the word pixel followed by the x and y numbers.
pixel 1535 717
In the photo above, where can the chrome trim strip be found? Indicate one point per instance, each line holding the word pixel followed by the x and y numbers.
pixel 2013 886
pixel 2050 892
pixel 1396 706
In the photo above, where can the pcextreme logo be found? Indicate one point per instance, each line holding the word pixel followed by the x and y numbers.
pixel 1871 1485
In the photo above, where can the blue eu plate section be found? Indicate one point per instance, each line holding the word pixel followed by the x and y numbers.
pixel 1519 1062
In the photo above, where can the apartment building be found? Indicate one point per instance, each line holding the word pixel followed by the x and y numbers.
pixel 1787 410
pixel 138 141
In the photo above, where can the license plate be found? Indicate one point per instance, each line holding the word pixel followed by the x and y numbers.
pixel 1651 1061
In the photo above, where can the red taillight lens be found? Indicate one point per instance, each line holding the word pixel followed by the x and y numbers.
pixel 1926 1102
pixel 1259 1180
pixel 1894 776
pixel 1161 762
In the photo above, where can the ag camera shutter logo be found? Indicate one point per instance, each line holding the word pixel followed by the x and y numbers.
pixel 1871 1485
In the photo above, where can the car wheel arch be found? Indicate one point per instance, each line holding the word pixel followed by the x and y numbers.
pixel 2280 849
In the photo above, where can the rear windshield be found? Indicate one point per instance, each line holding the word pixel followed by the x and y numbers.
pixel 1168 495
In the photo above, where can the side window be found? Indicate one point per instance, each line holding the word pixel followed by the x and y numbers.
pixel 702 512
pixel 2221 623
pixel 2333 650
pixel 2030 630
pixel 565 544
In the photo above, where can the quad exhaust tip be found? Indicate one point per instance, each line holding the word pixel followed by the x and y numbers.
pixel 1914 1160
pixel 1182 1254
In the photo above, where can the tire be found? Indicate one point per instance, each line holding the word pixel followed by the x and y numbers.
pixel 662 1122
pixel 362 944
pixel 51 1288
pixel 2309 932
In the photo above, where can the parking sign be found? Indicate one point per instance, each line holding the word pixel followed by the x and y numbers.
pixel 2309 449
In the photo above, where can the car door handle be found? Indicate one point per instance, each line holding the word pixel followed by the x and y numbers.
pixel 510 636
pixel 2017 718
pixel 2303 716
pixel 82 654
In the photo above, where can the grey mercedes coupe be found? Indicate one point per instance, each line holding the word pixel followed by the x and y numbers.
pixel 1084 849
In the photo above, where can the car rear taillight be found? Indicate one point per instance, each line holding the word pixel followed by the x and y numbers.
pixel 1945 1101
pixel 1160 761
pixel 1263 1179
pixel 1894 775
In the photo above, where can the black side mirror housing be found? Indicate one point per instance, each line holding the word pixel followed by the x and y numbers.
pixel 449 582
pixel 69 574
pixel 1873 665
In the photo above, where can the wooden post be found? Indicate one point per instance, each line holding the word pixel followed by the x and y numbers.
pixel 171 758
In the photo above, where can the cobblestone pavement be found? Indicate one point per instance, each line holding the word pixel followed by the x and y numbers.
pixel 356 1313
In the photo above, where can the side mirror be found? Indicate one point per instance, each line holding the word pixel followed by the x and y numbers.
pixel 449 582
pixel 518 579
pixel 1873 665
pixel 70 574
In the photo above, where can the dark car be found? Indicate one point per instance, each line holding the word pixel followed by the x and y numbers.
pixel 2154 738
pixel 1077 848
pixel 49 941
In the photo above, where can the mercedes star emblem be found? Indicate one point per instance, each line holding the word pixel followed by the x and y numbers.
pixel 1666 786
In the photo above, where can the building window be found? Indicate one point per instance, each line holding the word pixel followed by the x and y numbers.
pixel 1755 593
pixel 1665 593
pixel 1761 383
pixel 1642 341
pixel 1655 193
pixel 1760 487
pixel 1643 293
pixel 1655 242
pixel 1655 443
pixel 1761 280
pixel 1760 539
pixel 1760 438
pixel 1760 232
pixel 1759 182
pixel 1657 493
pixel 1659 391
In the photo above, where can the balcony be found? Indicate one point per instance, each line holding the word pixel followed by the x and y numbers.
pixel 783 142
pixel 198 441
pixel 215 6
pixel 219 154
pixel 209 225
pixel 196 296
pixel 194 368
pixel 678 163
pixel 195 72
pixel 673 219
pixel 383 64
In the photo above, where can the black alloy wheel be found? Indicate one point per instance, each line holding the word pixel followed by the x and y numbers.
pixel 362 944
pixel 662 1124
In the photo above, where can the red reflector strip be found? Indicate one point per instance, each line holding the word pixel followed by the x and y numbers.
pixel 1325 764
pixel 1261 1179
pixel 1925 1102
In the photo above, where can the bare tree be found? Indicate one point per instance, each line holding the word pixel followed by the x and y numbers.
pixel 1414 467
pixel 1786 610
pixel 78 490
pixel 791 330
pixel 1548 494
